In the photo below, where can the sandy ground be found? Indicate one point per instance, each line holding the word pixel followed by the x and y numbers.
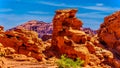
pixel 11 63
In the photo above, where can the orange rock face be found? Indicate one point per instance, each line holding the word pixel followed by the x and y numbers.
pixel 64 35
pixel 62 22
pixel 23 41
pixel 68 39
pixel 109 33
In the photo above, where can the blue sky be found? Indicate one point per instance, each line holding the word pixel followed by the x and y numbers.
pixel 91 12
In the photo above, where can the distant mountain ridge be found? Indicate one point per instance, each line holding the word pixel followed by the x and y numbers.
pixel 42 28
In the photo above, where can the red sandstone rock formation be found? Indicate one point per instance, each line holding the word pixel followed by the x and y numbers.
pixel 109 34
pixel 40 27
pixel 62 22
pixel 68 39
pixel 109 31
pixel 24 42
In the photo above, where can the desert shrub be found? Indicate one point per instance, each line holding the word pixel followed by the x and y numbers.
pixel 65 62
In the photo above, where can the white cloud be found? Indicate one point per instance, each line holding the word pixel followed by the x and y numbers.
pixel 58 4
pixel 52 4
pixel 99 4
pixel 91 15
pixel 38 12
pixel 6 10
pixel 103 8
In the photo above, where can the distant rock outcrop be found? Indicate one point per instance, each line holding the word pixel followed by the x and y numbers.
pixel 42 28
pixel 89 31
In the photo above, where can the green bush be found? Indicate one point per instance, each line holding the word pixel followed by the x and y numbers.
pixel 65 62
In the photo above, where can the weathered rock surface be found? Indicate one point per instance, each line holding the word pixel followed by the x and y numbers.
pixel 42 28
pixel 68 39
pixel 6 51
pixel 109 34
pixel 62 22
pixel 9 59
pixel 24 42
